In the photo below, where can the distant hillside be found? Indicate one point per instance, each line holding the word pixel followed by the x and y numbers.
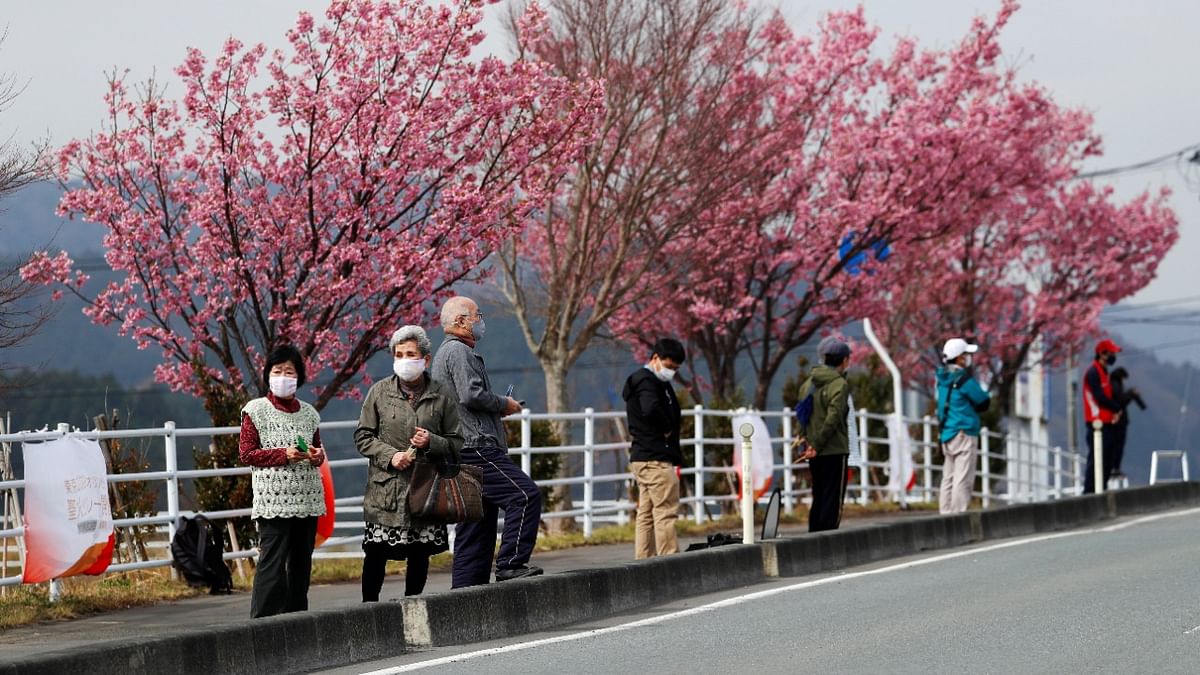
pixel 28 222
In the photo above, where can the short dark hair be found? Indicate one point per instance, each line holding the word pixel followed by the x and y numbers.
pixel 284 354
pixel 835 360
pixel 670 348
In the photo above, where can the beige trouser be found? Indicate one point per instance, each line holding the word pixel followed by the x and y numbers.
pixel 658 508
pixel 958 473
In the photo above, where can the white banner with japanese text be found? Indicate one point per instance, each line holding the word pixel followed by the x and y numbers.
pixel 68 520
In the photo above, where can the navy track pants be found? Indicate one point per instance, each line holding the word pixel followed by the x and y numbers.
pixel 505 488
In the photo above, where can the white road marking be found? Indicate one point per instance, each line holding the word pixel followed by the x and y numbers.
pixel 750 597
pixel 1189 632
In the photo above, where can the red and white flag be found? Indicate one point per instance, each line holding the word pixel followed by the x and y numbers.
pixel 902 473
pixel 762 455
pixel 68 520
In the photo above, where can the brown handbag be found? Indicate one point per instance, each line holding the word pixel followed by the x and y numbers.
pixel 445 493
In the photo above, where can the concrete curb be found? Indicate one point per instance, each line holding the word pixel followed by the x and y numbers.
pixel 287 643
pixel 530 605
pixel 330 638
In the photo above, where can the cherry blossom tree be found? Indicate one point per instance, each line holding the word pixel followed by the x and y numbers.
pixel 904 156
pixel 684 92
pixel 686 84
pixel 1029 288
pixel 320 194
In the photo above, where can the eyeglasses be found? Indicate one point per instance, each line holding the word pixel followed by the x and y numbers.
pixel 477 314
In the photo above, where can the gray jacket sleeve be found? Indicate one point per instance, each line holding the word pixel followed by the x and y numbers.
pixel 468 383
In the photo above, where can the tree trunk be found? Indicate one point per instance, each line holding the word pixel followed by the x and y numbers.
pixel 765 377
pixel 720 370
pixel 557 402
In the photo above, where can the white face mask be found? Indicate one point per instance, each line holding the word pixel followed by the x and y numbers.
pixel 665 374
pixel 282 385
pixel 408 369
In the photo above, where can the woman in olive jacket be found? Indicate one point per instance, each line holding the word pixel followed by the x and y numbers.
pixel 405 416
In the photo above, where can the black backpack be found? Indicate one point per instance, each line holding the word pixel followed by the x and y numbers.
pixel 196 551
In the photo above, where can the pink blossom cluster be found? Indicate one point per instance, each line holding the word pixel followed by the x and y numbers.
pixel 943 157
pixel 322 194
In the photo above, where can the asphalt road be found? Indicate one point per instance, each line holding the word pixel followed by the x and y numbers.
pixel 1118 598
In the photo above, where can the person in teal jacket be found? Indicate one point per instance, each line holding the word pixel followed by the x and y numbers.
pixel 960 400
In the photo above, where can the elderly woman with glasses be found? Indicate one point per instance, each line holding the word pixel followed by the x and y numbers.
pixel 405 416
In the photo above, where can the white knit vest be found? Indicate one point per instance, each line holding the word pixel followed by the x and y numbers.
pixel 291 490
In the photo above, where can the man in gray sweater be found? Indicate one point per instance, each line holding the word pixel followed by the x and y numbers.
pixel 458 366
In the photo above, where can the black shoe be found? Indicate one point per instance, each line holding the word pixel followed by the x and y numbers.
pixel 517 573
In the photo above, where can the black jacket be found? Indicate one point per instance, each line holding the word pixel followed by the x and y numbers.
pixel 654 416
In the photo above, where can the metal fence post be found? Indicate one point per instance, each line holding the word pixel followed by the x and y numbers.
pixel 864 447
pixel 1030 469
pixel 56 584
pixel 527 442
pixel 698 450
pixel 172 463
pixel 985 474
pixel 927 440
pixel 1098 455
pixel 1058 489
pixel 589 488
pixel 789 483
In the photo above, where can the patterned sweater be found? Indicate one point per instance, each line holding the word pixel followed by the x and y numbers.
pixel 288 490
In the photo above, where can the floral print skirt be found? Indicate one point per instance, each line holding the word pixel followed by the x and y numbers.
pixel 397 543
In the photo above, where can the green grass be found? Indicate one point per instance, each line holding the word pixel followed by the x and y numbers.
pixel 82 596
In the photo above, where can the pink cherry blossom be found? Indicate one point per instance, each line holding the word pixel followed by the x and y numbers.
pixel 944 157
pixel 322 193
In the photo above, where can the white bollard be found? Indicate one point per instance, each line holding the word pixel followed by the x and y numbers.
pixel 747 430
pixel 1098 455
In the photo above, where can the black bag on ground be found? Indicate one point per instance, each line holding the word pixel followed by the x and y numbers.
pixel 716 539
pixel 196 552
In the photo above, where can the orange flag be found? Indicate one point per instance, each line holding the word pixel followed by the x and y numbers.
pixel 325 522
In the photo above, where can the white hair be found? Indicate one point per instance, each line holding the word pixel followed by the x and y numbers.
pixel 411 334
pixel 455 307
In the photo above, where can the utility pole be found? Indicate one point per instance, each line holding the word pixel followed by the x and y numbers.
pixel 1072 383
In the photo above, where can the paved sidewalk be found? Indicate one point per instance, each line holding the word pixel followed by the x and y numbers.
pixel 171 618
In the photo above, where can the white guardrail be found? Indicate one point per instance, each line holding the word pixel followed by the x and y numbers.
pixel 1009 471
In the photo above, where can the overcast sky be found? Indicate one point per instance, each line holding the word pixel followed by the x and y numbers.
pixel 1130 63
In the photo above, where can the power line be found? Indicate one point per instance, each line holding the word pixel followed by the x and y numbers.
pixel 1163 346
pixel 1192 153
pixel 1160 303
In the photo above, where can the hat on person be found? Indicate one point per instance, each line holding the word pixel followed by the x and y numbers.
pixel 956 347
pixel 1107 345
pixel 832 346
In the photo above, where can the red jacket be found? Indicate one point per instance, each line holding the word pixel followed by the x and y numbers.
pixel 1098 403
